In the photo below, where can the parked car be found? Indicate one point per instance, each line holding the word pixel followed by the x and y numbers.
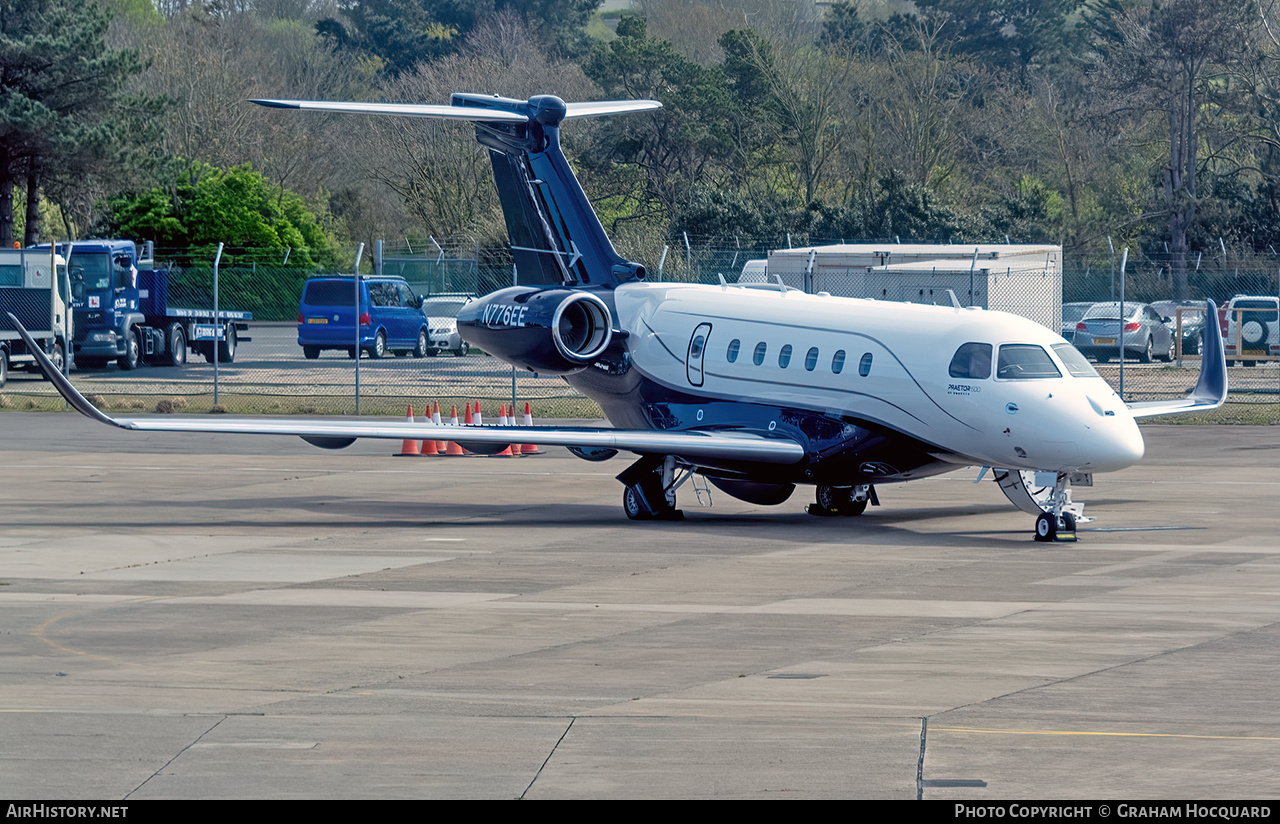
pixel 1192 312
pixel 1146 336
pixel 442 314
pixel 391 317
pixel 1071 315
pixel 1253 327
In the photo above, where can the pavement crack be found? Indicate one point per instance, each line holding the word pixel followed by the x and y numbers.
pixel 924 733
pixel 547 760
pixel 176 756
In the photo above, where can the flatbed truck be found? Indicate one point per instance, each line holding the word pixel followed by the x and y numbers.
pixel 121 309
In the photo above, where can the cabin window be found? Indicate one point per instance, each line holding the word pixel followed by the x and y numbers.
pixel 837 362
pixel 811 359
pixel 732 354
pixel 758 357
pixel 864 365
pixel 1025 361
pixel 972 360
pixel 1076 365
pixel 784 356
pixel 695 348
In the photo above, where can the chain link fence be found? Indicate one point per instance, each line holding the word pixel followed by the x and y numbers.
pixel 271 375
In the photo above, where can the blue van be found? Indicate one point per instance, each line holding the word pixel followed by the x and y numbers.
pixel 391 317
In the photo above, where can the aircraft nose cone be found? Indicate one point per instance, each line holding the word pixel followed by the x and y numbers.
pixel 1118 446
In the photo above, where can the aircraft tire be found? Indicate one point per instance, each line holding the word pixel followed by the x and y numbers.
pixel 829 501
pixel 633 504
pixel 1046 527
pixel 854 508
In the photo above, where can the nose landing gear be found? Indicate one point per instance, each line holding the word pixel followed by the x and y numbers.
pixel 1058 521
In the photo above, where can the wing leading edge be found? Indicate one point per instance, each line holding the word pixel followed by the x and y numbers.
pixel 736 446
pixel 1210 390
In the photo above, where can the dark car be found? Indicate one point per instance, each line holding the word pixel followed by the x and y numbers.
pixel 391 317
pixel 1145 334
pixel 1190 313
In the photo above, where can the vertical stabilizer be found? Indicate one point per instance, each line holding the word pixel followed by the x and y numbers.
pixel 556 237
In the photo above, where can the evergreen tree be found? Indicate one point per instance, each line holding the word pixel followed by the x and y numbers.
pixel 63 112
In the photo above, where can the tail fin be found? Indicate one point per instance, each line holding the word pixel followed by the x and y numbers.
pixel 555 234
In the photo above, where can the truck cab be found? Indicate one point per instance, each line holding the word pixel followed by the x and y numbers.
pixel 105 302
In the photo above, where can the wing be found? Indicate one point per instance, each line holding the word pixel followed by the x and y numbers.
pixel 1210 391
pixel 720 445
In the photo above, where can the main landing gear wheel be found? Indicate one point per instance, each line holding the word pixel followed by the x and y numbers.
pixel 649 504
pixel 649 489
pixel 830 501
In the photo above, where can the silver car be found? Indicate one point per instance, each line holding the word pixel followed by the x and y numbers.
pixel 442 323
pixel 1146 336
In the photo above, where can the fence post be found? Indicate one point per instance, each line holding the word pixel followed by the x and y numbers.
pixel 355 279
pixel 217 259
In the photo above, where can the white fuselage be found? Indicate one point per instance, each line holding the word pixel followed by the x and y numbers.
pixel 885 363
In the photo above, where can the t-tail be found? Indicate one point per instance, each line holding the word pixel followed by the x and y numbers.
pixel 556 237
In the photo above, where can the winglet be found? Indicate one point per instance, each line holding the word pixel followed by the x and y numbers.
pixel 1210 391
pixel 78 402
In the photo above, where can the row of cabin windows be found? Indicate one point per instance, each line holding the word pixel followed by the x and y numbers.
pixel 810 358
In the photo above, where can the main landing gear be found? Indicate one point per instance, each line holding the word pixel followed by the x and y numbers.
pixel 842 500
pixel 650 489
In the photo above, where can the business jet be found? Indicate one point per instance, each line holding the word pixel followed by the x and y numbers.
pixel 757 389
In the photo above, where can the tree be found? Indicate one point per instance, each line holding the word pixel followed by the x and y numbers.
pixel 1014 35
pixel 204 205
pixel 63 111
pixel 1173 61
pixel 404 33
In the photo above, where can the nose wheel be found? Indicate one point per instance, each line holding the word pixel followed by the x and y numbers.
pixel 1058 522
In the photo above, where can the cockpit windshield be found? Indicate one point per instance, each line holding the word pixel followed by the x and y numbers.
pixel 1075 362
pixel 1025 361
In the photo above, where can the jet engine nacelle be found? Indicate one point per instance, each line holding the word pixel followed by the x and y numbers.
pixel 551 331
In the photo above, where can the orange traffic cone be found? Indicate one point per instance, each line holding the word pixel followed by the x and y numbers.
pixel 507 451
pixel 478 417
pixel 409 447
pixel 453 450
pixel 529 448
pixel 428 446
pixel 435 419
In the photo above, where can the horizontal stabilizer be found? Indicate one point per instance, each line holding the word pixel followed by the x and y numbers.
pixel 606 107
pixel 720 445
pixel 400 109
pixel 470 110
pixel 1210 391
